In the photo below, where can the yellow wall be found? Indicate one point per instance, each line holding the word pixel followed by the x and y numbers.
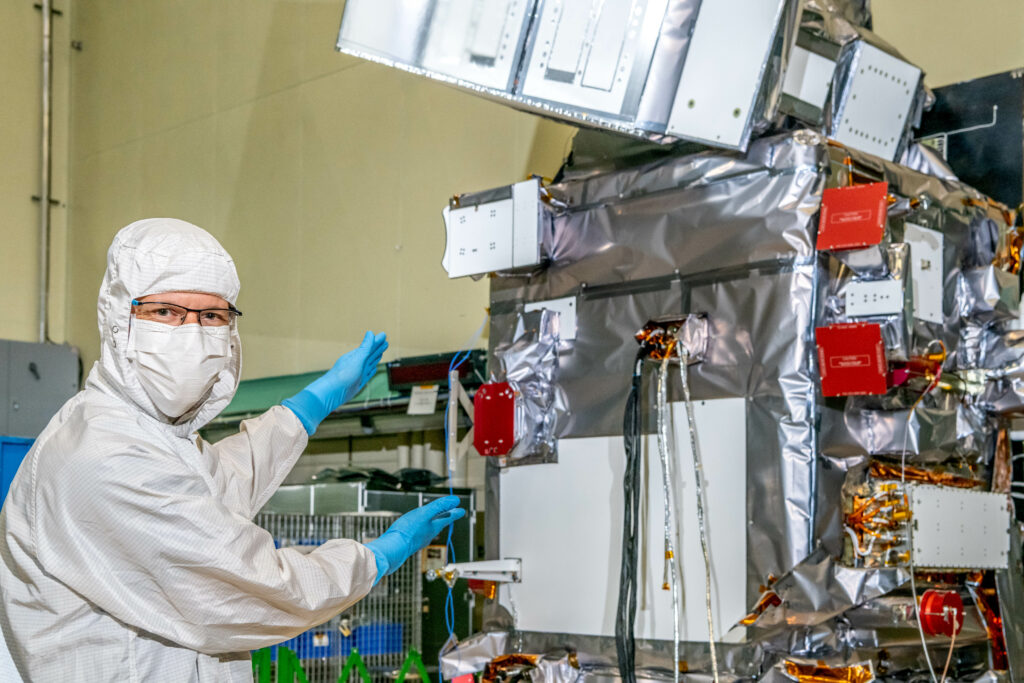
pixel 324 176
pixel 20 92
pixel 953 40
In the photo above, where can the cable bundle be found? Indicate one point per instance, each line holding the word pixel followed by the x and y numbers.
pixel 626 613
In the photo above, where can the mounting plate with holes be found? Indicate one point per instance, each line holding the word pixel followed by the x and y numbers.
pixel 874 297
pixel 959 529
pixel 500 234
pixel 878 101
pixel 710 108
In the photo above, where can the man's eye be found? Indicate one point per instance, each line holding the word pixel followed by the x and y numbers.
pixel 163 312
pixel 216 317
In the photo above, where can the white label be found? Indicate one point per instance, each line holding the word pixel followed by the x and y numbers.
pixel 423 400
pixel 926 271
pixel 433 557
pixel 723 70
pixel 959 529
pixel 566 309
pixel 808 76
pixel 874 297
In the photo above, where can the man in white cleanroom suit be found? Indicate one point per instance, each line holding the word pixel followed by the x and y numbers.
pixel 127 548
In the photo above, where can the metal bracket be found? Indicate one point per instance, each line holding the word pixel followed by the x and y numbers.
pixel 939 141
pixel 457 396
pixel 968 129
pixel 499 571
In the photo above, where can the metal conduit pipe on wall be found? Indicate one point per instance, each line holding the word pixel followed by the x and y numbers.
pixel 44 169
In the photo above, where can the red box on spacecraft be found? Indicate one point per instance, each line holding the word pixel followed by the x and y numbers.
pixel 851 359
pixel 852 217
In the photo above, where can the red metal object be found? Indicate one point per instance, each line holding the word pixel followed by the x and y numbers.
pixel 941 613
pixel 464 678
pixel 494 411
pixel 852 217
pixel 851 359
pixel 898 376
pixel 486 589
pixel 928 366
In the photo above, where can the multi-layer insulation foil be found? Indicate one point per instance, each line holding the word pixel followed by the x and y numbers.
pixel 529 363
pixel 810 495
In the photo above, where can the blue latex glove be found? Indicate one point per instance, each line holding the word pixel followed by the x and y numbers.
pixel 343 381
pixel 412 532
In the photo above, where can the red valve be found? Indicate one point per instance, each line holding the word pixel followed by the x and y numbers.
pixel 941 613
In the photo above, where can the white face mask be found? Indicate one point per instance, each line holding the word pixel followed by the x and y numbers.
pixel 177 365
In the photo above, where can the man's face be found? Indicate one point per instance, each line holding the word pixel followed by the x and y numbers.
pixel 193 300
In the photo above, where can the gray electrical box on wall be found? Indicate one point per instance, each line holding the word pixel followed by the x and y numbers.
pixel 35 381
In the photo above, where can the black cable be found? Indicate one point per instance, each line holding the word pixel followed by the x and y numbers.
pixel 625 617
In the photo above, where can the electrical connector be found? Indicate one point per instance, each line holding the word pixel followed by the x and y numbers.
pixel 660 336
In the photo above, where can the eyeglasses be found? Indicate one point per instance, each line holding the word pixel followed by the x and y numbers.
pixel 173 314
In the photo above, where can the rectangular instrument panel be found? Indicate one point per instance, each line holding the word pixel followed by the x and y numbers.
pixel 477 40
pixel 724 68
pixel 593 54
pixel 563 520
pixel 960 529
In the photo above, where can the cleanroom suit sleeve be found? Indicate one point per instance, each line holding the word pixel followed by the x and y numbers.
pixel 251 464
pixel 138 534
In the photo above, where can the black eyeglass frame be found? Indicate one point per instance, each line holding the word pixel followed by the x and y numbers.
pixel 197 311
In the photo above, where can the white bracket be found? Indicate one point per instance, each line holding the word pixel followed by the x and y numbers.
pixel 458 450
pixel 500 571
